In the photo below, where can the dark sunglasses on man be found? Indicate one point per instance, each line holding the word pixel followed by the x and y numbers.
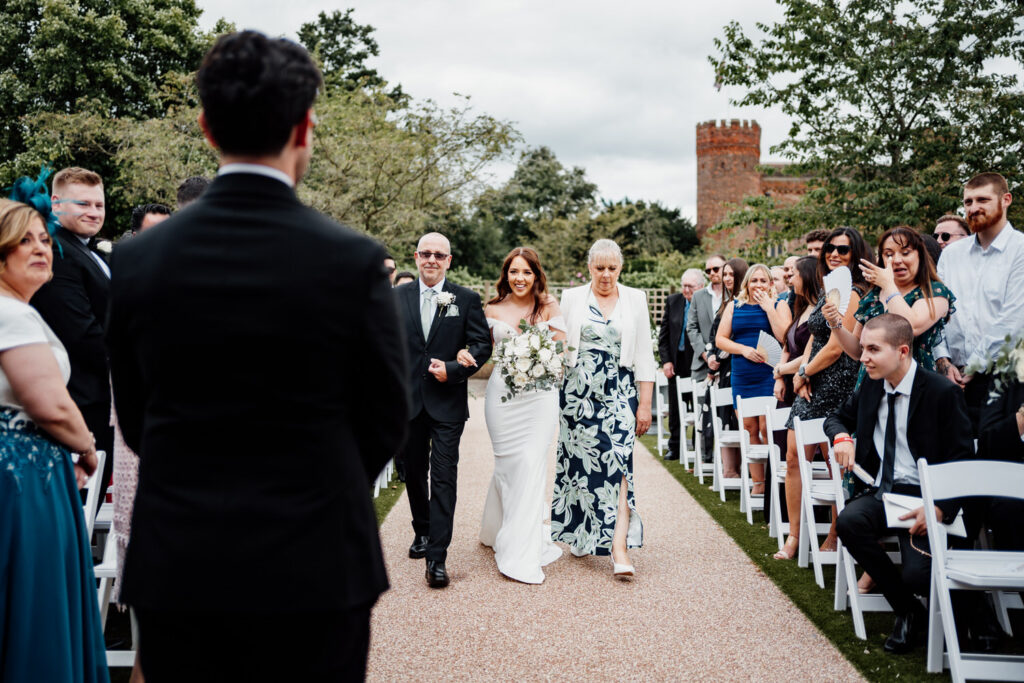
pixel 946 236
pixel 714 269
pixel 841 249
pixel 427 255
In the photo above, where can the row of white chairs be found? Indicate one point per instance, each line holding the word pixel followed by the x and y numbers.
pixel 822 486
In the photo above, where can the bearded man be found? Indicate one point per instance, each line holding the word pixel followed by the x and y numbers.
pixel 986 273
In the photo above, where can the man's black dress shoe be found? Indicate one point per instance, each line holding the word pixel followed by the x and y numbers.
pixel 671 456
pixel 905 631
pixel 418 549
pixel 437 577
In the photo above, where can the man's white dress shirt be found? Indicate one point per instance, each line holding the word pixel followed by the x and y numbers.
pixel 904 469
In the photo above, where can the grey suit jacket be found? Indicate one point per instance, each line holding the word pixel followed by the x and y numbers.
pixel 698 330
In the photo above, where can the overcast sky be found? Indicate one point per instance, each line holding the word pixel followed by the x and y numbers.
pixel 617 89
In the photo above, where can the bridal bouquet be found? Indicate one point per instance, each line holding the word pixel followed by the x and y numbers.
pixel 1007 365
pixel 530 361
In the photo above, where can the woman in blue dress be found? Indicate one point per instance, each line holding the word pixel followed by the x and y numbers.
pixel 49 617
pixel 754 310
pixel 605 403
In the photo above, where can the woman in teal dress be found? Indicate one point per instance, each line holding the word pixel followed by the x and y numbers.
pixel 905 283
pixel 605 403
pixel 49 617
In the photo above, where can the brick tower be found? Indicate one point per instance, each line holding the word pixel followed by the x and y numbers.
pixel 727 158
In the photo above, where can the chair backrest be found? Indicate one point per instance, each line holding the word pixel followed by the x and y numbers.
pixel 972 478
pixel 684 385
pixel 775 419
pixel 721 396
pixel 809 432
pixel 94 493
pixel 755 406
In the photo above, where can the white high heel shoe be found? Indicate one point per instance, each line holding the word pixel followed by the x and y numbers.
pixel 623 571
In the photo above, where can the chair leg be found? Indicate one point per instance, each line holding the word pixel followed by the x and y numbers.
pixel 933 658
pixel 841 596
pixel 999 599
pixel 802 539
pixel 945 608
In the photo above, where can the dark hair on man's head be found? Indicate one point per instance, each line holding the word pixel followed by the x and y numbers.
pixel 984 179
pixel 953 218
pixel 191 189
pixel 896 328
pixel 404 275
pixel 816 236
pixel 143 210
pixel 255 90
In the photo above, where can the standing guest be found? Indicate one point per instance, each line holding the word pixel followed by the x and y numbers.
pixel 389 268
pixel 986 273
pixel 605 404
pixel 780 281
pixel 440 318
pixel 49 617
pixel 74 302
pixel 145 216
pixel 905 285
pixel 1002 438
pixel 262 404
pixel 676 354
pixel 892 435
pixel 403 277
pixel 815 240
pixel 826 376
pixel 788 268
pixel 754 310
pixel 950 228
pixel 704 305
pixel 191 189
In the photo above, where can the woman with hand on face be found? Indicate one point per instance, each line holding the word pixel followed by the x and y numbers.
pixel 826 375
pixel 605 404
pixel 521 428
pixel 49 616
pixel 755 309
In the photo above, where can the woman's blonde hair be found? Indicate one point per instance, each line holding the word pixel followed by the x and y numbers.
pixel 741 295
pixel 15 220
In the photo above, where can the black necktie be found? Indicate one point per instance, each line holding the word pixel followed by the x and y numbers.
pixel 889 456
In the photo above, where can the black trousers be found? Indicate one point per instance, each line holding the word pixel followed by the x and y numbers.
pixel 682 369
pixel 861 524
pixel 432 449
pixel 218 646
pixel 976 397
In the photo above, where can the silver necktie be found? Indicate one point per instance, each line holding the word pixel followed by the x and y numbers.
pixel 426 311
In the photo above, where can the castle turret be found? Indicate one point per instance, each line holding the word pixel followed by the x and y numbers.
pixel 728 155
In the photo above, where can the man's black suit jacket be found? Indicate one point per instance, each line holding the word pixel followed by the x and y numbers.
pixel 74 305
pixel 998 438
pixel 258 373
pixel 937 424
pixel 451 330
pixel 670 331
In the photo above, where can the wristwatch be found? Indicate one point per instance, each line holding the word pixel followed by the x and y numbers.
pixel 802 371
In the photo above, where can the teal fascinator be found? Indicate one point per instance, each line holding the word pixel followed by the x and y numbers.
pixel 35 193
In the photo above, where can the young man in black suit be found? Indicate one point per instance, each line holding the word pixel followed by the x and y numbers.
pixel 74 302
pixel 440 319
pixel 900 413
pixel 256 374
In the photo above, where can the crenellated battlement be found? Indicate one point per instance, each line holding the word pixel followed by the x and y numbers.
pixel 729 133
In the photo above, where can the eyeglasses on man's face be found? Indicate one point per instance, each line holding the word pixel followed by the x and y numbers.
pixel 427 255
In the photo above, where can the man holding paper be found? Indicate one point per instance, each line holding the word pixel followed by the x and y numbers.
pixel 900 413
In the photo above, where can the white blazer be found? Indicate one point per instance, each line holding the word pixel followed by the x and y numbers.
pixel 637 346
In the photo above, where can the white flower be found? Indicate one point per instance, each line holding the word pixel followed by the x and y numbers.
pixel 1018 358
pixel 545 355
pixel 534 341
pixel 508 352
pixel 521 351
pixel 105 246
pixel 524 364
pixel 521 341
pixel 520 380
pixel 538 370
pixel 445 299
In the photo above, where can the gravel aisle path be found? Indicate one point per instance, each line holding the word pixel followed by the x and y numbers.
pixel 698 607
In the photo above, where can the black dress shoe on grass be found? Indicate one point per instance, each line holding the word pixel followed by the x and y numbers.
pixel 905 631
pixel 437 577
pixel 418 549
pixel 672 456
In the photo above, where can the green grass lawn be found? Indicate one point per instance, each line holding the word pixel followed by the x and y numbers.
pixel 387 498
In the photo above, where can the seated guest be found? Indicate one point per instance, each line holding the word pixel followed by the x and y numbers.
pixel 924 415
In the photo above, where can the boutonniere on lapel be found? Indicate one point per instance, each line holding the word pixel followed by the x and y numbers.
pixel 446 305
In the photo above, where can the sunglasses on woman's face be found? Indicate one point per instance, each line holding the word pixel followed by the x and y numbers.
pixel 712 270
pixel 946 236
pixel 841 249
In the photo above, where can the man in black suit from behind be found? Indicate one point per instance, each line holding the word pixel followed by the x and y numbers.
pixel 256 374
pixel 74 302
pixel 675 351
pixel 900 413
pixel 440 319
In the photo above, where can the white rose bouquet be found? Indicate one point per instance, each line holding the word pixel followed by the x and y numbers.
pixel 530 361
pixel 1005 367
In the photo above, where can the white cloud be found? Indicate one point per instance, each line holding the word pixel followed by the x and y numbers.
pixel 617 89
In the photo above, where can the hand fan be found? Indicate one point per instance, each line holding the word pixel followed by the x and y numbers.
pixel 769 347
pixel 838 285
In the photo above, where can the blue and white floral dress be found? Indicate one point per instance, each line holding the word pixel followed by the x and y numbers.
pixel 597 431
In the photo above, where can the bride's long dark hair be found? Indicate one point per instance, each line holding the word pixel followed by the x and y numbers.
pixel 540 281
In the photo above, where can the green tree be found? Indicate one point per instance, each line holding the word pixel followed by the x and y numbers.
pixel 108 57
pixel 894 104
pixel 342 46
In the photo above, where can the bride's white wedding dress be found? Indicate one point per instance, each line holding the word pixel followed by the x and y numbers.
pixel 522 430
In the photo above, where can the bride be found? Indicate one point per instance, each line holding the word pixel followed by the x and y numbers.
pixel 522 429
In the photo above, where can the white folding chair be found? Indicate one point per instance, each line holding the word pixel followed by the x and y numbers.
pixel 661 411
pixel 95 493
pixel 106 572
pixel 687 419
pixel 754 406
pixel 976 570
pixel 775 421
pixel 814 492
pixel 701 469
pixel 847 592
pixel 724 438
